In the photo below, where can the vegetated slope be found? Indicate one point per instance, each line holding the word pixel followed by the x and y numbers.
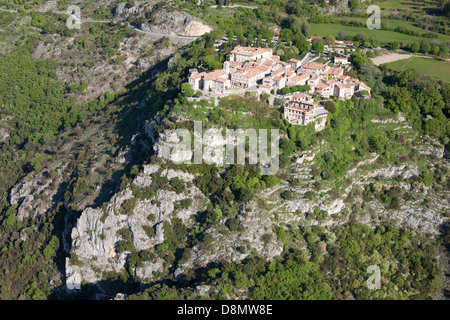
pixel 213 231
pixel 80 167
pixel 104 55
pixel 309 228
pixel 76 152
pixel 369 166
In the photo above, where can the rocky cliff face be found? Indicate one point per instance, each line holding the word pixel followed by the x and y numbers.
pixel 96 235
pixel 38 193
pixel 176 23
pixel 171 23
pixel 95 238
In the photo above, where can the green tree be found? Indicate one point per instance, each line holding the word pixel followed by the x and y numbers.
pixel 425 48
pixel 444 49
pixel 435 50
pixel 187 89
pixel 305 30
pixel 361 37
pixel 415 47
pixel 285 90
pixel 286 36
pixel 341 35
pixel 329 106
pixel 359 58
pixel 318 46
pixel 50 249
pixel 302 43
pixel 378 142
pixel 212 63
pixel 330 40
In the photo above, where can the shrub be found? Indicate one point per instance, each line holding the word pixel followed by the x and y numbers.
pixel 435 50
pixel 178 185
pixel 425 48
pixel 162 248
pixel 128 206
pixel 287 195
pixel 149 230
pixel 329 106
pixel 415 47
pixel 232 224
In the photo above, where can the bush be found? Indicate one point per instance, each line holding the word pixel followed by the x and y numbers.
pixel 425 48
pixel 270 180
pixel 128 206
pixel 214 216
pixel 232 224
pixel 415 47
pixel 287 195
pixel 183 204
pixel 444 49
pixel 435 50
pixel 329 106
pixel 150 231
pixel 119 60
pixel 162 248
pixel 178 185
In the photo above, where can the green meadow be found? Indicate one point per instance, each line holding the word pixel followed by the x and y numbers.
pixel 434 68
pixel 394 23
pixel 383 36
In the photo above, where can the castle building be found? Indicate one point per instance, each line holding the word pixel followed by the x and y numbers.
pixel 242 54
pixel 302 110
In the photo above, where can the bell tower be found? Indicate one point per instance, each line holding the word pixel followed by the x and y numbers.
pixel 226 66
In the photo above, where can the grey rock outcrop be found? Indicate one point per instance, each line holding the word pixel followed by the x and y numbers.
pixel 171 23
pixel 236 246
pixel 95 237
pixel 123 10
pixel 170 147
pixel 176 23
pixel 35 194
pixel 4 134
pixel 73 276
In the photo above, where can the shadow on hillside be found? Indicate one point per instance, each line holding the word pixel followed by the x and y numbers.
pixel 129 120
pixel 107 289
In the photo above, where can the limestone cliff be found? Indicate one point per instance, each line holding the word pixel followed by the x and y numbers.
pixel 153 18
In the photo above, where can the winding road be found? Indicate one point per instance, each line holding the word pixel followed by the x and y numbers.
pixel 154 36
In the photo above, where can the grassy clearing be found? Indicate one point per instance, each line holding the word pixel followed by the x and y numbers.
pixel 383 36
pixel 434 68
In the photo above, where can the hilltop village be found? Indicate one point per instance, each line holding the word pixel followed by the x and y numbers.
pixel 259 70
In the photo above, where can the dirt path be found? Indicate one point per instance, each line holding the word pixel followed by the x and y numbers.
pixel 391 57
pixel 236 6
